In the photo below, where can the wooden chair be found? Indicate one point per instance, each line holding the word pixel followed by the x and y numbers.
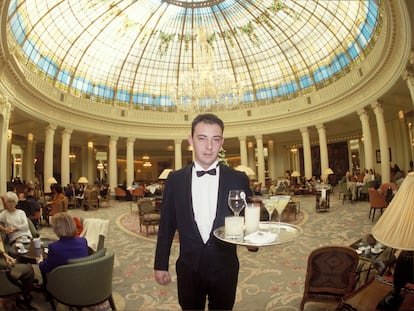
pixel 120 194
pixel 90 199
pixel 376 201
pixel 148 214
pixel 105 200
pixel 345 192
pixel 331 273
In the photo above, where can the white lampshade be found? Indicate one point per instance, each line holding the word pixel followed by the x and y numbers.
pixel 295 174
pixel 82 180
pixel 164 174
pixel 52 180
pixel 328 171
pixel 242 168
pixel 395 228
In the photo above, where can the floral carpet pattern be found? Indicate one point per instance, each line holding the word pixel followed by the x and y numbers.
pixel 270 279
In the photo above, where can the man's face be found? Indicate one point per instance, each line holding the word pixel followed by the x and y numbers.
pixel 207 141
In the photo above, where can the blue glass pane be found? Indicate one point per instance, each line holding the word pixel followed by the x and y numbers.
pixel 30 49
pixel 123 96
pixel 305 82
pixel 48 65
pixel 266 93
pixel 145 99
pixel 64 77
pixel 247 97
pixel 82 85
pixel 104 91
pixel 322 73
pixel 18 28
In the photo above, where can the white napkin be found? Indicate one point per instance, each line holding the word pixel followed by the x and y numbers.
pixel 323 194
pixel 260 237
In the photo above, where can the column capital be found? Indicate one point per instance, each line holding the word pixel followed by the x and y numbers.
pixel 304 130
pixel 67 131
pixel 259 136
pixel 242 138
pixel 51 127
pixel 113 138
pixel 320 126
pixel 362 112
pixel 131 139
pixel 178 141
pixel 377 106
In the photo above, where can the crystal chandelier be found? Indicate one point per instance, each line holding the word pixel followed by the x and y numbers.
pixel 205 88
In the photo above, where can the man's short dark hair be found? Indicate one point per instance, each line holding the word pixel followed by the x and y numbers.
pixel 208 118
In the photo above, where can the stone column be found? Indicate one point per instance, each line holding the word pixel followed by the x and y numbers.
pixel 48 155
pixel 5 111
pixel 260 160
pixel 130 172
pixel 243 151
pixel 408 76
pixel 366 132
pixel 323 146
pixel 251 158
pixel 383 141
pixel 91 164
pixel 307 158
pixel 271 159
pixel 29 159
pixel 65 161
pixel 178 154
pixel 113 165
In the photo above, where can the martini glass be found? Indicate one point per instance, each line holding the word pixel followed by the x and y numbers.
pixel 270 207
pixel 280 202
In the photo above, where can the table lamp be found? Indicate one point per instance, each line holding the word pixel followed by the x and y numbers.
pixel 247 170
pixel 164 174
pixel 52 180
pixel 82 180
pixel 395 229
pixel 328 171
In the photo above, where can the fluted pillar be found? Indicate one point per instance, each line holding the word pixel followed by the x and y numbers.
pixel 48 155
pixel 271 159
pixel 28 159
pixel 383 141
pixel 323 146
pixel 408 76
pixel 243 150
pixel 307 157
pixel 130 161
pixel 178 154
pixel 366 132
pixel 251 157
pixel 91 163
pixel 406 143
pixel 260 160
pixel 113 165
pixel 65 161
pixel 5 111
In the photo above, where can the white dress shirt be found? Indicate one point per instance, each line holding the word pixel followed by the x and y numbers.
pixel 204 195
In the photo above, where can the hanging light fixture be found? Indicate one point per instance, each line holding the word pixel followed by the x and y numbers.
pixel 205 88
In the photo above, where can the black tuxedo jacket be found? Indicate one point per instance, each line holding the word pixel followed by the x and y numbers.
pixel 177 215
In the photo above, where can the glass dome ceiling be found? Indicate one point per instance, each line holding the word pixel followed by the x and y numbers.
pixel 132 53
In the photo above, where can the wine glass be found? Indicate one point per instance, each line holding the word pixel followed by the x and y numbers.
pixel 270 207
pixel 237 201
pixel 280 202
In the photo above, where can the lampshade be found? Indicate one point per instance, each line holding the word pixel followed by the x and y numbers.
pixel 328 171
pixel 52 180
pixel 295 174
pixel 164 174
pixel 395 228
pixel 82 180
pixel 242 168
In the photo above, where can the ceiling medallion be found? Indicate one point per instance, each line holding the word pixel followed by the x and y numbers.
pixel 193 4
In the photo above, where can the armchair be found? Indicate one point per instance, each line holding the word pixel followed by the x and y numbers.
pixel 82 284
pixel 148 214
pixel 7 287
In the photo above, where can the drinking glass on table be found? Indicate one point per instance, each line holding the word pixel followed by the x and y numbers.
pixel 280 202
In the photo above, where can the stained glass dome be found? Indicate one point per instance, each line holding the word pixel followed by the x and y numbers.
pixel 134 53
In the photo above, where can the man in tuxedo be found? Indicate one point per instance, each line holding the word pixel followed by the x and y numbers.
pixel 194 204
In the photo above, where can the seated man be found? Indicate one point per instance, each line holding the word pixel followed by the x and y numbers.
pixel 15 222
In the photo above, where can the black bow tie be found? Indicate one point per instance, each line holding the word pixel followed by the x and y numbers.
pixel 211 172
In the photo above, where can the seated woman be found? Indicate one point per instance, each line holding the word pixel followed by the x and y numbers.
pixel 15 222
pixel 67 247
pixel 20 274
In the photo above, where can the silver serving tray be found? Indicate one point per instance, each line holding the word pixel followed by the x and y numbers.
pixel 288 233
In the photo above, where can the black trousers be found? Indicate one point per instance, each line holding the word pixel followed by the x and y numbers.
pixel 195 287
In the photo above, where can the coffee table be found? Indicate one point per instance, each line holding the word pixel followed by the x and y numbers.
pixel 32 252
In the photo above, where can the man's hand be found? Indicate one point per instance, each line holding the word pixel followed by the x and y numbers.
pixel 162 277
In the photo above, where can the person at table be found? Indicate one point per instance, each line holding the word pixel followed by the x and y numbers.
pixel 194 204
pixel 67 247
pixel 15 222
pixel 20 274
pixel 57 198
pixel 350 181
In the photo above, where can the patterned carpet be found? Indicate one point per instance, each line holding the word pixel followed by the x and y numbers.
pixel 271 279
